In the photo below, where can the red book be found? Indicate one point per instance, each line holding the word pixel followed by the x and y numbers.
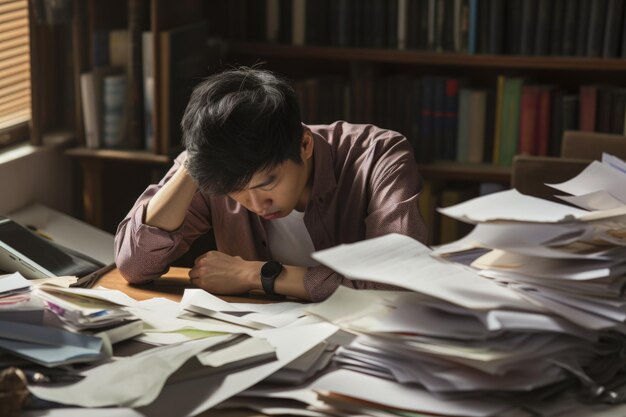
pixel 543 120
pixel 528 120
pixel 588 100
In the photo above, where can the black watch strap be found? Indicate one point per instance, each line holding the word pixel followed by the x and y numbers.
pixel 269 272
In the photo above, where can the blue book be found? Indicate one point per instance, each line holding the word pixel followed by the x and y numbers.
pixel 473 29
pixel 100 48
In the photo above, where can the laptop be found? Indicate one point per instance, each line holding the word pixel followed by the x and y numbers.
pixel 36 257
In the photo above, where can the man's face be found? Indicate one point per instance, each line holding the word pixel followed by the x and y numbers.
pixel 276 192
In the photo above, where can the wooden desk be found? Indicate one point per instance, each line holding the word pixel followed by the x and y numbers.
pixel 171 286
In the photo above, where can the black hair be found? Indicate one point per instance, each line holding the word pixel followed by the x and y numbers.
pixel 237 123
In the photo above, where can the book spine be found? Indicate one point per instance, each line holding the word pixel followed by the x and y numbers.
pixel 496 27
pixel 451 119
pixel 509 136
pixel 569 28
pixel 582 26
pixel 272 17
pixel 528 27
pixel 114 99
pixel 391 38
pixel 135 110
pixel 298 22
pixel 556 36
pixel 597 20
pixel 478 109
pixel 463 141
pixel 528 119
pixel 618 110
pixel 426 139
pixel 88 102
pixel 556 123
pixel 613 29
pixel 402 34
pixel 473 29
pixel 588 99
pixel 543 121
pixel 498 119
pixel 544 23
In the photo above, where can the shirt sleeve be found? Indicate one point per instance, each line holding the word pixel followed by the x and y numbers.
pixel 394 187
pixel 143 252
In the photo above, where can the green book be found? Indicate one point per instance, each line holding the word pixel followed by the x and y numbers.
pixel 509 126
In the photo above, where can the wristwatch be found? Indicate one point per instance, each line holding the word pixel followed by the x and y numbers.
pixel 269 272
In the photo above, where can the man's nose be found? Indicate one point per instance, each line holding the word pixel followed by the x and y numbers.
pixel 257 202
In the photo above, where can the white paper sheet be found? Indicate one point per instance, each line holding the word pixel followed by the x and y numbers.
pixel 203 393
pixel 246 349
pixel 558 269
pixel 13 283
pixel 511 205
pixel 82 412
pixel 597 200
pixel 614 162
pixel 514 237
pixel 48 346
pixel 412 398
pixel 163 326
pixel 131 381
pixel 597 176
pixel 402 261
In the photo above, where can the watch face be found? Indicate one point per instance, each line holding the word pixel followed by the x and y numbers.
pixel 271 269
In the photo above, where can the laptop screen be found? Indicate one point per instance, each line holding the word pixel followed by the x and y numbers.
pixel 43 252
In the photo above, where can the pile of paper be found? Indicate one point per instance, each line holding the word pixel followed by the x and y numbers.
pixel 523 317
pixel 539 311
pixel 16 301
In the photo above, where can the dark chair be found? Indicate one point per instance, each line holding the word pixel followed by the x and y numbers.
pixel 530 174
pixel 590 145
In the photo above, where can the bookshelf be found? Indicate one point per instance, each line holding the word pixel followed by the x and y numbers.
pixel 366 48
pixel 416 57
pixel 544 52
pixel 134 63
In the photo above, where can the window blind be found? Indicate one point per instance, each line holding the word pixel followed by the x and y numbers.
pixel 14 64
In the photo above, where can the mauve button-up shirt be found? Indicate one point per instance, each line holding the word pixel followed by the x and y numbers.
pixel 365 184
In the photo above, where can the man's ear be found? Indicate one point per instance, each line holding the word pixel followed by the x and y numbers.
pixel 307 145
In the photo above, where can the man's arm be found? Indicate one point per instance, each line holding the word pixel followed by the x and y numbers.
pixel 168 208
pixel 161 226
pixel 223 274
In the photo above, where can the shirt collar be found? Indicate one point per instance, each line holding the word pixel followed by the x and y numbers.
pixel 324 181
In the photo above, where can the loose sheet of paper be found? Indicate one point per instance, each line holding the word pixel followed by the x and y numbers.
pixel 402 261
pixel 203 393
pixel 511 205
pixel 597 176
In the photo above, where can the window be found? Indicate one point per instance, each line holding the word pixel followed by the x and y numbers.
pixel 15 96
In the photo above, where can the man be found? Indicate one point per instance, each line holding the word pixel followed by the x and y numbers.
pixel 272 190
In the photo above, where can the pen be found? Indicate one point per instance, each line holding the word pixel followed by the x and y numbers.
pixel 38 377
pixel 37 231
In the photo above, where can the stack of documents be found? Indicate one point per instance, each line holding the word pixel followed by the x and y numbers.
pixel 97 312
pixel 533 307
pixel 16 301
pixel 48 346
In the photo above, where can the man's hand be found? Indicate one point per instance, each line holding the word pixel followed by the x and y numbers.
pixel 219 273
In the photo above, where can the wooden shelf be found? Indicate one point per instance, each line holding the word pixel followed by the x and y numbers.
pixel 465 172
pixel 423 58
pixel 120 155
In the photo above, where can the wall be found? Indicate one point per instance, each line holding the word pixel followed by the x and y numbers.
pixel 35 175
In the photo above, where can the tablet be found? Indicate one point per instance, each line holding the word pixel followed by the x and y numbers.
pixel 36 257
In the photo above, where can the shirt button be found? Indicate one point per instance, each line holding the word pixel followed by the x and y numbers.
pixel 264 243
